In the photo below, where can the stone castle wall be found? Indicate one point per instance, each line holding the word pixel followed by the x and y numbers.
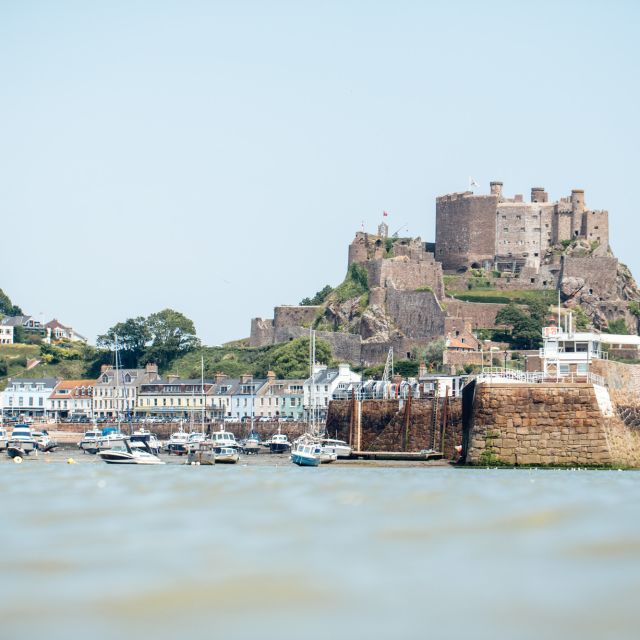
pixel 481 315
pixel 262 332
pixel 546 424
pixel 294 316
pixel 416 313
pixel 465 229
pixel 404 273
pixel 344 346
pixel 598 273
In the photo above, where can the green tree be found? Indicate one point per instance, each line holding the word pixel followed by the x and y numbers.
pixel 526 327
pixel 19 335
pixel 133 336
pixel 319 298
pixel 617 326
pixel 291 359
pixel 171 334
pixel 7 307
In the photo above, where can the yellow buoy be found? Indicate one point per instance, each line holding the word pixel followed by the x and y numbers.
pixel 17 459
pixel 70 461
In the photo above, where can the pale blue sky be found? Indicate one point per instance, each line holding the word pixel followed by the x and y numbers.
pixel 217 157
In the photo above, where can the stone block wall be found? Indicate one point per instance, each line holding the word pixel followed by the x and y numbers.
pixel 599 273
pixel 344 346
pixel 482 315
pixel 403 273
pixel 294 316
pixel 416 313
pixel 546 424
pixel 262 333
pixel 383 426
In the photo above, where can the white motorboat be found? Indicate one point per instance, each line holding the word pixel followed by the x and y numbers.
pixel 109 438
pixel 89 442
pixel 4 438
pixel 21 442
pixel 123 453
pixel 195 440
pixel 251 445
pixel 177 442
pixel 223 438
pixel 146 438
pixel 326 452
pixel 225 455
pixel 43 441
pixel 339 447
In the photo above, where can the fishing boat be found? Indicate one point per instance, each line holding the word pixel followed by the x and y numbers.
pixel 224 438
pixel 327 453
pixel 306 455
pixel 89 442
pixel 123 453
pixel 279 443
pixel 177 442
pixel 225 455
pixel 251 445
pixel 21 443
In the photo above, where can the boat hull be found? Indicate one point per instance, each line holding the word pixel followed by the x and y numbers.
pixel 15 452
pixel 304 461
pixel 279 447
pixel 118 457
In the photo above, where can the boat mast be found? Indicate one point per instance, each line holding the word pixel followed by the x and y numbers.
pixel 202 399
pixel 118 390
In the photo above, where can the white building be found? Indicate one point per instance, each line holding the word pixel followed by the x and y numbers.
pixel 55 330
pixel 243 398
pixel 28 396
pixel 6 334
pixel 319 388
pixel 567 353
pixel 71 398
pixel 116 391
pixel 280 398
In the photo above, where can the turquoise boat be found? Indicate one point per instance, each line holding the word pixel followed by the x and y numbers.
pixel 306 455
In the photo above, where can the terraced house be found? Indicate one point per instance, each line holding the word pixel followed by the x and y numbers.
pixel 280 398
pixel 116 391
pixel 71 398
pixel 28 396
pixel 173 397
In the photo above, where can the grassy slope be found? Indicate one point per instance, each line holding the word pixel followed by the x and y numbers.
pixel 504 296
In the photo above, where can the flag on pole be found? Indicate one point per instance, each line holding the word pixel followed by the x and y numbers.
pixel 385 214
pixel 472 183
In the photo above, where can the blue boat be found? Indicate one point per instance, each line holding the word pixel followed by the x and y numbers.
pixel 306 455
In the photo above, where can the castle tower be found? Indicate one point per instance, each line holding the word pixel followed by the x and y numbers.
pixel 538 194
pixel 383 230
pixel 496 189
pixel 577 210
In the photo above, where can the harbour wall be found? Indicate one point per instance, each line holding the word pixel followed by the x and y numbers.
pixel 576 424
pixel 391 425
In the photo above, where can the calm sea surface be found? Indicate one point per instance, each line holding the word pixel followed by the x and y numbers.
pixel 270 550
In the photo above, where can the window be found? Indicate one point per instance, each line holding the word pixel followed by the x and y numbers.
pixel 506 229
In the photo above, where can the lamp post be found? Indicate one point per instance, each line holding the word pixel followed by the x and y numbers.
pixel 505 359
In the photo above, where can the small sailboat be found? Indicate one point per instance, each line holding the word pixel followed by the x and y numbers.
pixel 123 453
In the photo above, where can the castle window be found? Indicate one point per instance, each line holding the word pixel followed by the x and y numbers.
pixel 535 254
pixel 522 229
pixel 533 280
pixel 518 217
pixel 506 229
pixel 504 217
pixel 595 227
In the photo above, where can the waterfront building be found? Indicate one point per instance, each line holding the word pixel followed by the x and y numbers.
pixel 28 396
pixel 280 398
pixel 173 397
pixel 243 396
pixel 218 398
pixel 6 334
pixel 318 389
pixel 116 391
pixel 71 398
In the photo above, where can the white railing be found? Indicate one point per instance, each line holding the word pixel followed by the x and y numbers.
pixel 499 374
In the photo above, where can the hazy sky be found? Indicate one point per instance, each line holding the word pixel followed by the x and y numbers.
pixel 217 157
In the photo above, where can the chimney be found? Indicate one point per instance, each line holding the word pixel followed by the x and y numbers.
pixel 246 377
pixel 496 189
pixel 219 377
pixel 151 368
pixel 422 371
pixel 343 369
pixel 104 367
pixel 271 376
pixel 538 194
pixel 518 197
pixel 172 377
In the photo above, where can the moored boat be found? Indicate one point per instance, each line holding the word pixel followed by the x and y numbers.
pixel 177 442
pixel 339 447
pixel 123 453
pixel 306 455
pixel 223 438
pixel 279 443
pixel 21 442
pixel 4 438
pixel 89 442
pixel 147 439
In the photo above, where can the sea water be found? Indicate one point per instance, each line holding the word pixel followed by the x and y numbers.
pixel 271 550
